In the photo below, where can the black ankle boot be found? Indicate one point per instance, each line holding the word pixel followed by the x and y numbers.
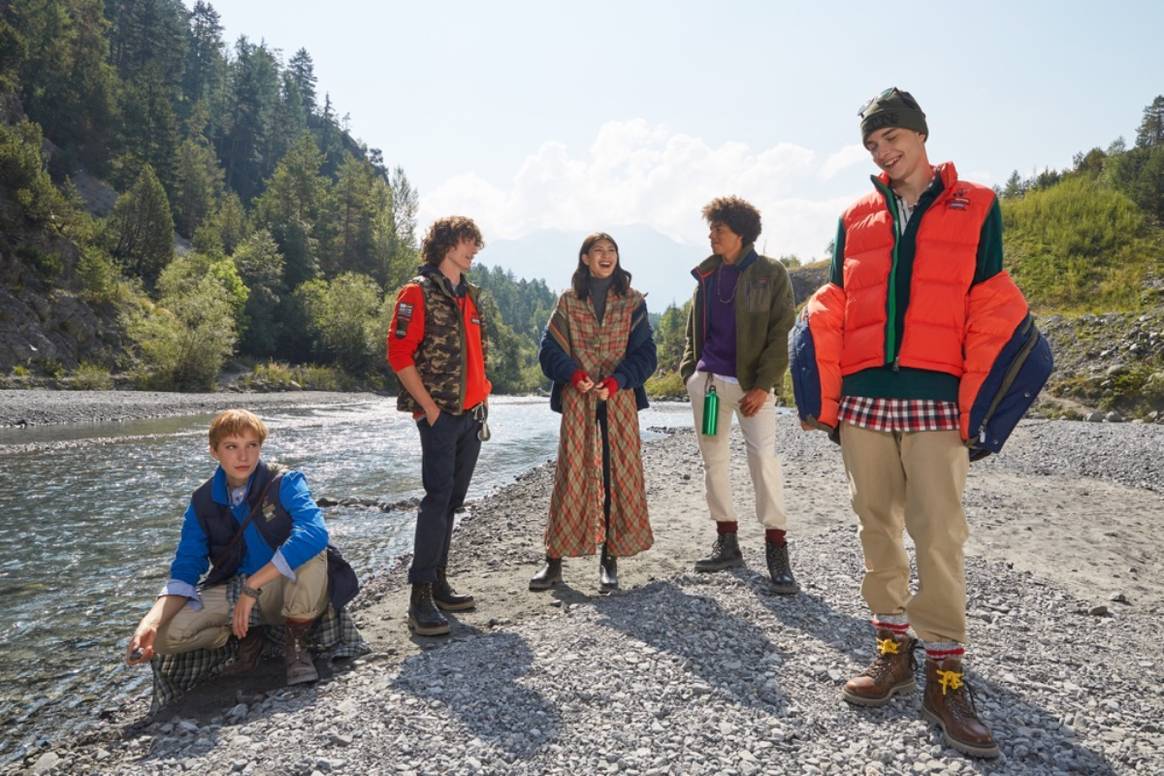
pixel 424 619
pixel 446 598
pixel 725 554
pixel 607 571
pixel 782 580
pixel 548 576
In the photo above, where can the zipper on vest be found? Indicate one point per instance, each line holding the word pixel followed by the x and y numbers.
pixel 1020 358
pixel 891 295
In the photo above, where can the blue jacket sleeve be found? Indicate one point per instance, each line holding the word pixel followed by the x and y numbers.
pixel 192 557
pixel 308 533
pixel 556 364
pixel 641 360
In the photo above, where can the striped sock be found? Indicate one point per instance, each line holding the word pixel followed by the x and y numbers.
pixel 938 651
pixel 897 624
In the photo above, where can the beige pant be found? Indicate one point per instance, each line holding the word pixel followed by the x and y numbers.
pixel 911 480
pixel 281 600
pixel 759 437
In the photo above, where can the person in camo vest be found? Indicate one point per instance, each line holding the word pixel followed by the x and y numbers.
pixel 437 348
pixel 598 350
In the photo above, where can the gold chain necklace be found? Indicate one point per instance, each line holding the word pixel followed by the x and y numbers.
pixel 719 285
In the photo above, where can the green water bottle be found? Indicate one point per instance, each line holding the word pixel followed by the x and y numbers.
pixel 710 411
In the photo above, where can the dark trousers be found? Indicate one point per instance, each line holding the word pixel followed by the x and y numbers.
pixel 448 456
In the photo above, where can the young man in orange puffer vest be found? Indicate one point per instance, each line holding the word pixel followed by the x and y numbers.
pixel 901 345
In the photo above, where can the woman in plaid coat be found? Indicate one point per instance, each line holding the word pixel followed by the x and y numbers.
pixel 599 351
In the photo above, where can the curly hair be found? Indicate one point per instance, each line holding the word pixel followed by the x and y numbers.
pixel 580 280
pixel 736 214
pixel 443 236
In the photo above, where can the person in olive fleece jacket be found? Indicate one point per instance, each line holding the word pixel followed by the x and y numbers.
pixel 737 346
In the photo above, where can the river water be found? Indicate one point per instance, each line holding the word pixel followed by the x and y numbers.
pixel 90 515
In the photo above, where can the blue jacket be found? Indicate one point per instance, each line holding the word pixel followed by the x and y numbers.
pixel 308 535
pixel 1018 374
pixel 637 365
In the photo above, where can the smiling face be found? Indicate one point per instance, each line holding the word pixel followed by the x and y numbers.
pixel 724 242
pixel 238 454
pixel 460 257
pixel 900 152
pixel 602 259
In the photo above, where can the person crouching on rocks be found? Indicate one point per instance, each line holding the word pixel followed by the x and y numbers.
pixel 599 351
pixel 437 348
pixel 263 539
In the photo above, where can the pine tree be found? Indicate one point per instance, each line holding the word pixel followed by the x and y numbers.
pixel 302 72
pixel 1151 131
pixel 290 208
pixel 245 145
pixel 260 265
pixel 198 185
pixel 140 230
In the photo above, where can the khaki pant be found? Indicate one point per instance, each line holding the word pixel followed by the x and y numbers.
pixel 281 600
pixel 759 437
pixel 911 480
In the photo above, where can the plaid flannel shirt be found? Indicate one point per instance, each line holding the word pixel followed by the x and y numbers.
pixel 899 414
pixel 334 636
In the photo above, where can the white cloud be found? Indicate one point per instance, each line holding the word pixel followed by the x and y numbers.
pixel 843 159
pixel 638 173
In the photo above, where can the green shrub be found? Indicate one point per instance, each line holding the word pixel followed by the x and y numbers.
pixel 20 370
pixel 91 377
pixel 666 385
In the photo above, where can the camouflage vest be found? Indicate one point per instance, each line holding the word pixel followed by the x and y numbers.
pixel 440 359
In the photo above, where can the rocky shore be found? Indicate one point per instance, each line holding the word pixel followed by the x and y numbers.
pixel 712 674
pixel 22 408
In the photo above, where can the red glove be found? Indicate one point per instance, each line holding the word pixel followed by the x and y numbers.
pixel 611 385
pixel 578 376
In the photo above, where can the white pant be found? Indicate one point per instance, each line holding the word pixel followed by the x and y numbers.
pixel 760 438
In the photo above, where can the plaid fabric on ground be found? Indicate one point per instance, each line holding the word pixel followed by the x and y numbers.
pixel 334 636
pixel 899 414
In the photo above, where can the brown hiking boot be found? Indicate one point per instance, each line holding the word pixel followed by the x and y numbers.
pixel 300 667
pixel 250 649
pixel 890 672
pixel 949 703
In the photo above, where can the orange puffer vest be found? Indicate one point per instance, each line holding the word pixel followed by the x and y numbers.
pixel 943 270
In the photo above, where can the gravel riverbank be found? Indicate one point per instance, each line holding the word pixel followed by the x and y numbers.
pixel 22 408
pixel 686 673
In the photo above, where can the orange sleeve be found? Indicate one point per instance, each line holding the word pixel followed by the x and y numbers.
pixel 826 320
pixel 407 328
pixel 995 308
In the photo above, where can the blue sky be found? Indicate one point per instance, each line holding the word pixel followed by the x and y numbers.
pixel 533 116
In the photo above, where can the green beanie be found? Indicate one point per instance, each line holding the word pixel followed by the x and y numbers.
pixel 892 108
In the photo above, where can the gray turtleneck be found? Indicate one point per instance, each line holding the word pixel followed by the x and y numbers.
pixel 598 288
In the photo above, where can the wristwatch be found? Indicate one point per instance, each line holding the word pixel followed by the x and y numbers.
pixel 253 592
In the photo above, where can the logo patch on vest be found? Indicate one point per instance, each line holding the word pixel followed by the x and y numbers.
pixel 476 321
pixel 403 316
pixel 959 201
pixel 268 511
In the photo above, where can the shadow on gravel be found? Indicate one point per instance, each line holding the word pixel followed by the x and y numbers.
pixel 1015 721
pixel 476 679
pixel 726 652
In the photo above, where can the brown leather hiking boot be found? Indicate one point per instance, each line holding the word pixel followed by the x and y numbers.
pixel 300 666
pixel 890 672
pixel 250 649
pixel 949 703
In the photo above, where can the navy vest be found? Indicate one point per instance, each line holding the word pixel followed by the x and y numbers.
pixel 273 522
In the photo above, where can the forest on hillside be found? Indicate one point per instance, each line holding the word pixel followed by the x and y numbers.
pixel 199 204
